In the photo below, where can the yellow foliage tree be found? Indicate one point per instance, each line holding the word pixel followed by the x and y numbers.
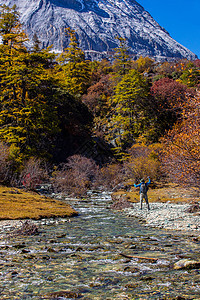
pixel 73 70
pixel 181 154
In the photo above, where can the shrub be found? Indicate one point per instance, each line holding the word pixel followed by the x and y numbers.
pixel 4 154
pixel 27 228
pixel 8 166
pixel 76 176
pixel 34 173
pixel 110 176
pixel 171 92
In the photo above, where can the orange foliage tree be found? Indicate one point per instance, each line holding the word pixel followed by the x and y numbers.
pixel 181 155
pixel 143 161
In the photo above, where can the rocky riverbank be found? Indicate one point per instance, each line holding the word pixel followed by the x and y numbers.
pixel 167 215
pixel 101 254
pixel 9 225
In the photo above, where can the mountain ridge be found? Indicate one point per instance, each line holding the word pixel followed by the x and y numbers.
pixel 97 23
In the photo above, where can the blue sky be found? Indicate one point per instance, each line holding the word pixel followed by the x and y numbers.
pixel 181 18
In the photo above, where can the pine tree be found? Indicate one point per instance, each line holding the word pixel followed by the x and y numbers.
pixel 127 118
pixel 122 59
pixel 10 27
pixel 74 71
pixel 28 117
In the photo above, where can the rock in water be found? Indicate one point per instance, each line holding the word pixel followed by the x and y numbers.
pixel 62 294
pixel 97 23
pixel 187 264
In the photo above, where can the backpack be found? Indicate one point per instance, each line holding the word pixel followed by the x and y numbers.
pixel 143 188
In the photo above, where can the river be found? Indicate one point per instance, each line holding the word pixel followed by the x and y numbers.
pixel 91 257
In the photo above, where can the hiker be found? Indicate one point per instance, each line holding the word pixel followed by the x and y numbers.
pixel 143 191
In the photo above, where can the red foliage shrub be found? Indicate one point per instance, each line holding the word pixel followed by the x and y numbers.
pixel 97 95
pixel 170 91
pixel 34 172
pixel 197 63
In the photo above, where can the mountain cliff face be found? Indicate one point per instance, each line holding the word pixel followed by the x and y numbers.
pixel 97 23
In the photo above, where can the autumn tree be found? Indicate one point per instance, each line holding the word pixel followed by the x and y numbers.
pixel 10 27
pixel 121 62
pixel 142 161
pixel 197 63
pixel 172 70
pixel 100 69
pixel 97 101
pixel 191 75
pixel 127 118
pixel 28 118
pixel 168 99
pixel 163 70
pixel 144 65
pixel 73 70
pixel 170 91
pixel 181 154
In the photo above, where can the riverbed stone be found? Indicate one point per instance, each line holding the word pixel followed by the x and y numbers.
pixel 193 208
pixel 131 285
pixel 147 278
pixel 62 294
pixel 25 251
pixel 131 269
pixel 187 264
pixel 19 246
pixel 12 274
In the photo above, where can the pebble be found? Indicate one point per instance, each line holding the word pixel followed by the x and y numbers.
pixel 166 215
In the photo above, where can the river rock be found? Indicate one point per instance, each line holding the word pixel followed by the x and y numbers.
pixel 25 251
pixel 20 246
pixel 187 264
pixel 131 269
pixel 194 207
pixel 12 274
pixel 62 294
pixel 147 278
pixel 51 250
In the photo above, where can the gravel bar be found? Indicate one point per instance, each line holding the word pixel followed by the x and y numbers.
pixel 166 215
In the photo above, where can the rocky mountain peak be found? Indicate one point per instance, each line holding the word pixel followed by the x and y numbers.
pixel 97 23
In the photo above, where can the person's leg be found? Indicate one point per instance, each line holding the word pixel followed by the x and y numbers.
pixel 141 199
pixel 147 202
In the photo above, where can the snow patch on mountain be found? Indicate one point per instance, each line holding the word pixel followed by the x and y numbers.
pixel 97 23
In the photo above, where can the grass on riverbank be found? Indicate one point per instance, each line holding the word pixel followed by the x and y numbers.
pixel 168 192
pixel 18 204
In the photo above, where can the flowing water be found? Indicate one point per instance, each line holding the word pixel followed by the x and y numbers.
pixel 91 257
